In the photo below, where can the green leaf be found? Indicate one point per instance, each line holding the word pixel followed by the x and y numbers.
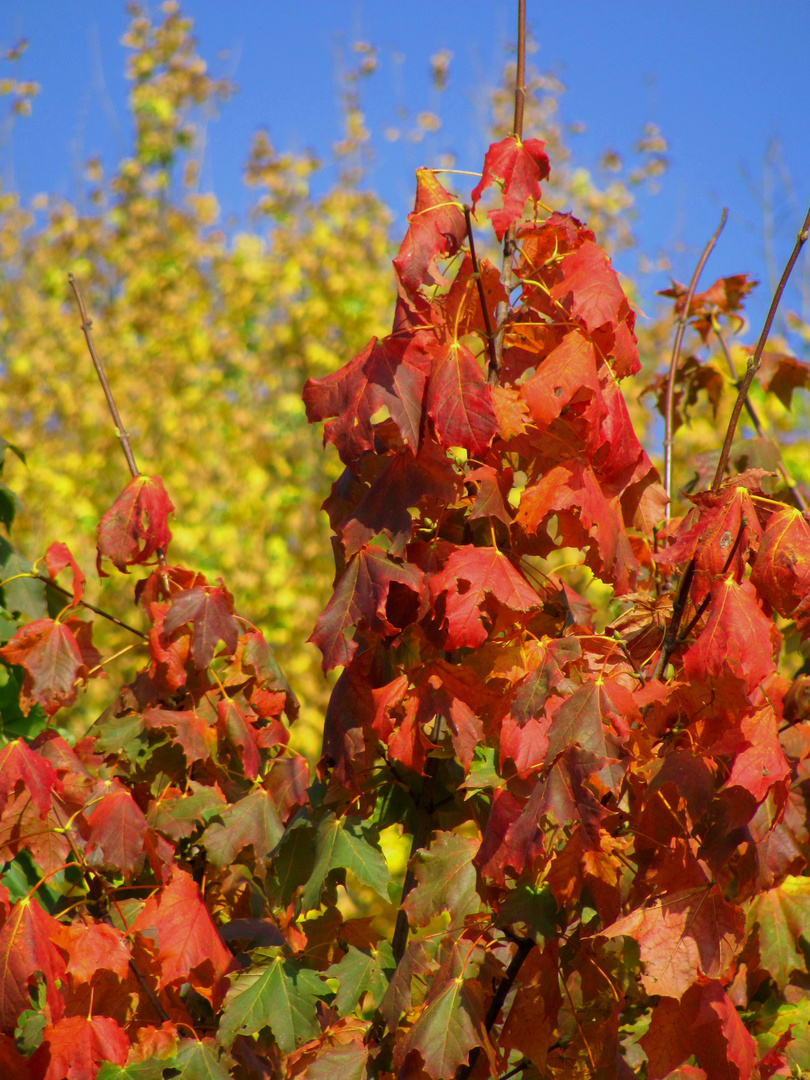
pixel 360 972
pixel 294 859
pixel 199 1061
pixel 280 995
pixel 24 594
pixel 346 843
pixel 13 724
pixel 253 821
pixel 122 734
pixel 8 505
pixel 136 1070
pixel 783 915
pixel 534 906
pixel 446 880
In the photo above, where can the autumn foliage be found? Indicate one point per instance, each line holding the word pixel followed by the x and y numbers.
pixel 607 814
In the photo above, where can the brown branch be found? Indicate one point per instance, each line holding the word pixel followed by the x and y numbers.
pixel 520 73
pixel 495 1006
pixel 669 408
pixel 754 417
pixel 672 632
pixel 756 359
pixel 493 359
pixel 91 607
pixel 87 324
pixel 509 240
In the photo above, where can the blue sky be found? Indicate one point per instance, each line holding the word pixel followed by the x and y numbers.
pixel 724 81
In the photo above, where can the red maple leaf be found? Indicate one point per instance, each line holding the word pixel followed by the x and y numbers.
pixel 136 526
pixel 403 483
pixel 55 655
pixel 462 304
pixel 706 1024
pixel 585 519
pixel 781 570
pixel 57 557
pixel 75 1047
pixel 117 828
pixel 520 166
pixel 737 634
pixel 189 946
pixel 193 734
pixel 567 372
pixel 362 593
pixel 26 946
pixel 20 764
pixel 437 228
pixel 91 947
pixel 467 578
pixel 596 297
pixel 459 400
pixel 210 612
pixel 382 375
pixel 687 934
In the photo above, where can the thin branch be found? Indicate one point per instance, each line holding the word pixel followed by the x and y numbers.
pixel 669 408
pixel 90 607
pixel 520 73
pixel 509 240
pixel 493 359
pixel 495 1006
pixel 754 417
pixel 672 632
pixel 87 324
pixel 756 359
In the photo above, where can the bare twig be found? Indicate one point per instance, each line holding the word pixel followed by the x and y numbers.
pixel 798 498
pixel 87 324
pixel 509 240
pixel 669 408
pixel 493 359
pixel 756 359
pixel 91 607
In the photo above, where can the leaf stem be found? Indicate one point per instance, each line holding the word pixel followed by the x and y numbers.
pixel 87 325
pixel 669 408
pixel 756 359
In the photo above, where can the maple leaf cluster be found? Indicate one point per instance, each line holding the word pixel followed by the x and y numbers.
pixel 608 824
pixel 602 838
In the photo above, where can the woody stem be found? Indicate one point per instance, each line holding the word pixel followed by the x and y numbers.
pixel 669 407
pixel 756 359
